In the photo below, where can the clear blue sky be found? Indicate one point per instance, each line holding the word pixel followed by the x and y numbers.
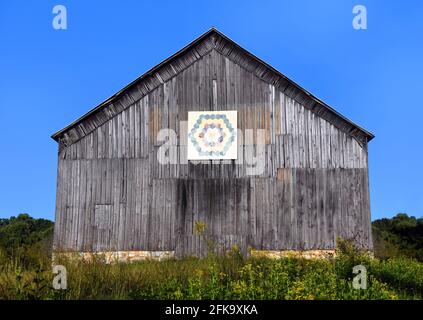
pixel 50 77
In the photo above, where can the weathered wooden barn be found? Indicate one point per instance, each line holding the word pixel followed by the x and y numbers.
pixel 113 195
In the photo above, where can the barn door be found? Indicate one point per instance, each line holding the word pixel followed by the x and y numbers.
pixel 217 205
pixel 102 227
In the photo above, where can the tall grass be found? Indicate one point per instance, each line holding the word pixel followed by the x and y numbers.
pixel 225 277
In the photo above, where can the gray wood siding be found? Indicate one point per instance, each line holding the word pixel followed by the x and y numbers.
pixel 114 195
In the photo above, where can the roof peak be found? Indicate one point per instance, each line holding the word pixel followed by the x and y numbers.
pixel 183 58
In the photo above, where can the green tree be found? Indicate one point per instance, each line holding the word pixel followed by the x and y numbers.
pixel 401 235
pixel 23 231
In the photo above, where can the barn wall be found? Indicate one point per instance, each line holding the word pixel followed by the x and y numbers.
pixel 113 193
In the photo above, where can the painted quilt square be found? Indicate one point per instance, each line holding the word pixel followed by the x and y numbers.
pixel 212 135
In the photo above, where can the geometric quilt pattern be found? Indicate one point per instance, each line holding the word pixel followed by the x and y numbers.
pixel 212 135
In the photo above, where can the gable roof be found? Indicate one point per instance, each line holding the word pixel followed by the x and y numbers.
pixel 170 67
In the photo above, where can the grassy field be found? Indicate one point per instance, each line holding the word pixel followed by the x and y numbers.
pixel 28 275
pixel 396 273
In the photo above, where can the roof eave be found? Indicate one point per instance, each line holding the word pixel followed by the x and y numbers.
pixel 56 136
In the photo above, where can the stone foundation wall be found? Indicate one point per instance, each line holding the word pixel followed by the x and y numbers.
pixel 117 256
pixel 131 256
pixel 307 254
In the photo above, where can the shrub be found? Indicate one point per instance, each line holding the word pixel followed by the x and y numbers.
pixel 402 273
